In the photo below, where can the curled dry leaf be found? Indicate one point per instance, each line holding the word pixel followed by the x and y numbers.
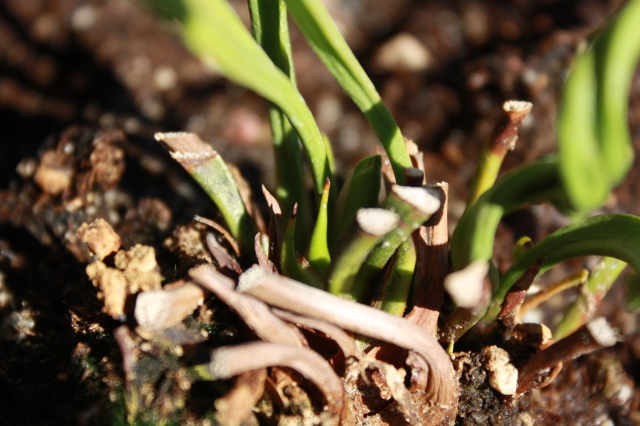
pixel 441 390
pixel 254 313
pixel 230 361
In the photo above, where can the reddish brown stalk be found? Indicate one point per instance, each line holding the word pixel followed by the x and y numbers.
pixel 262 258
pixel 504 135
pixel 431 242
pixel 221 229
pixel 516 294
pixel 276 227
pixel 230 361
pixel 502 140
pixel 224 259
pixel 254 313
pixel 442 388
pixel 594 335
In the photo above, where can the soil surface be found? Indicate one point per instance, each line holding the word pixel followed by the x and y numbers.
pixel 84 85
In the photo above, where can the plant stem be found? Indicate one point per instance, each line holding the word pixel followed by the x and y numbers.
pixel 432 249
pixel 502 140
pixel 316 24
pixel 414 206
pixel 373 225
pixel 319 256
pixel 397 285
pixel 516 294
pixel 594 335
pixel 566 283
pixel 602 277
pixel 442 388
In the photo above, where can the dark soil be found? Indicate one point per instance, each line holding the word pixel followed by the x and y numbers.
pixel 89 81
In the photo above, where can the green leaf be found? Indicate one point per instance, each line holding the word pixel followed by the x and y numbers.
pixel 397 285
pixel 316 24
pixel 593 134
pixel 270 29
pixel 208 168
pixel 372 225
pixel 292 264
pixel 612 235
pixel 319 256
pixel 475 233
pixel 213 31
pixel 360 190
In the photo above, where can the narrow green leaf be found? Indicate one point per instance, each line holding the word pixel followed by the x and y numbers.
pixel 372 225
pixel 270 29
pixel 612 235
pixel 360 190
pixel 313 19
pixel 208 168
pixel 474 235
pixel 396 287
pixel 319 256
pixel 213 31
pixel 602 277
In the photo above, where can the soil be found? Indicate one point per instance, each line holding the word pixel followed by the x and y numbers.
pixel 84 85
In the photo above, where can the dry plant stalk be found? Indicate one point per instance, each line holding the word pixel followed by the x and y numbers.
pixel 229 361
pixel 441 386
pixel 431 242
pixel 594 335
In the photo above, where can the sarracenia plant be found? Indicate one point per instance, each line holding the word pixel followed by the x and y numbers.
pixel 343 241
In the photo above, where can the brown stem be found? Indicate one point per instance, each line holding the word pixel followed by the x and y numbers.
pixel 262 258
pixel 276 227
pixel 230 361
pixel 431 242
pixel 442 389
pixel 254 313
pixel 215 225
pixel 594 335
pixel 224 259
pixel 504 135
pixel 516 294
